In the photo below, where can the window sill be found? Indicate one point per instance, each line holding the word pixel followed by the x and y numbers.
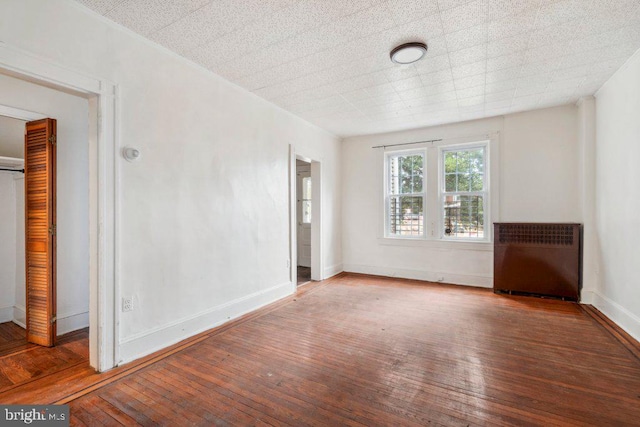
pixel 466 245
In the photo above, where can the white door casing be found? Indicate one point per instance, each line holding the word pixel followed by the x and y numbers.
pixel 303 176
pixel 317 268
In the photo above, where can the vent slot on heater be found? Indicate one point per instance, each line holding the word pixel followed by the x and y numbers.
pixel 538 259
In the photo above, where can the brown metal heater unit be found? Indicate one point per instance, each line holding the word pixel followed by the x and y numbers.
pixel 538 259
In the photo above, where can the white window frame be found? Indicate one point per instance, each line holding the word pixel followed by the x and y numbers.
pixel 485 193
pixel 387 195
pixel 433 185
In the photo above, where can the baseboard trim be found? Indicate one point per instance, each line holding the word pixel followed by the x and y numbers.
pixel 586 296
pixel 6 314
pixel 72 322
pixel 329 272
pixel 20 316
pixel 67 322
pixel 610 326
pixel 148 342
pixel 428 276
pixel 627 321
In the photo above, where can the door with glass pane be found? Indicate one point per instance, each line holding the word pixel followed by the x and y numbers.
pixel 304 191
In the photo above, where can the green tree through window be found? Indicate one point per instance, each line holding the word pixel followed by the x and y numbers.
pixel 463 198
pixel 406 195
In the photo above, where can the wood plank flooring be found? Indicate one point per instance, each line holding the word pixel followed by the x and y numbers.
pixel 12 338
pixel 360 350
pixel 22 362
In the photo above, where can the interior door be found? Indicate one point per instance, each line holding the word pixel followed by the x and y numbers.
pixel 40 230
pixel 303 190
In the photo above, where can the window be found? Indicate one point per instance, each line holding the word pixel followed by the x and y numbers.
pixel 306 200
pixel 447 201
pixel 464 192
pixel 405 195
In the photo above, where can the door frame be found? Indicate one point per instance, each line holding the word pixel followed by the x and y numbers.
pixel 317 272
pixel 103 189
pixel 300 225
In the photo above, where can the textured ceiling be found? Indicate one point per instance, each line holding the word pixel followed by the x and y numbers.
pixel 328 60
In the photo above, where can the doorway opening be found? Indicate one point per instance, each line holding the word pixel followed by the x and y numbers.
pixel 305 248
pixel 13 335
pixel 304 217
pixel 43 330
pixel 101 95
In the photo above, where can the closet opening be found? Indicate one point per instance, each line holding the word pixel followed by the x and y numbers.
pixel 44 232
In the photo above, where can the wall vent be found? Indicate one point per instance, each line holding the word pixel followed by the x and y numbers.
pixel 536 234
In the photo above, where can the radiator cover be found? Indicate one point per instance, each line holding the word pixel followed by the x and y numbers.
pixel 541 259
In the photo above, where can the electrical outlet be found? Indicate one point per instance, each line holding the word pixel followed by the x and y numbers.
pixel 127 303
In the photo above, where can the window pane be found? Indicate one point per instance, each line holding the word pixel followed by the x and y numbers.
pixel 463 216
pixel 306 188
pixel 406 174
pixel 450 182
pixel 464 170
pixel 306 200
pixel 416 164
pixel 477 182
pixel 450 162
pixel 463 182
pixel 306 211
pixel 406 216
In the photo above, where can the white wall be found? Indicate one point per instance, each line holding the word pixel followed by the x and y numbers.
pixel 204 216
pixel 7 245
pixel 539 176
pixel 539 166
pixel 618 197
pixel 71 113
pixel 11 137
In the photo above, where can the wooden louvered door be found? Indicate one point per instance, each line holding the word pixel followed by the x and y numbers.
pixel 40 230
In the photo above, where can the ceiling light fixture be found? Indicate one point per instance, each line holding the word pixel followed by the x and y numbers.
pixel 408 53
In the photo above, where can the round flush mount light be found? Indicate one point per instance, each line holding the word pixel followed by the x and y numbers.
pixel 408 53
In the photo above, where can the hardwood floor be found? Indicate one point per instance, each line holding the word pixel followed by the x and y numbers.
pixel 360 350
pixel 12 338
pixel 21 362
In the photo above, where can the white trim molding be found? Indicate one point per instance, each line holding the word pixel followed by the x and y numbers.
pixel 317 209
pixel 67 322
pixel 332 271
pixel 20 315
pixel 427 276
pixel 20 114
pixel 587 296
pixel 103 188
pixel 72 322
pixel 6 314
pixel 618 314
pixel 145 343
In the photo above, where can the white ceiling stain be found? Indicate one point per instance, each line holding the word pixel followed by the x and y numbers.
pixel 327 61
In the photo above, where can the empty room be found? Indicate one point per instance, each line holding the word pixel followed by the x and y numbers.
pixel 319 212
